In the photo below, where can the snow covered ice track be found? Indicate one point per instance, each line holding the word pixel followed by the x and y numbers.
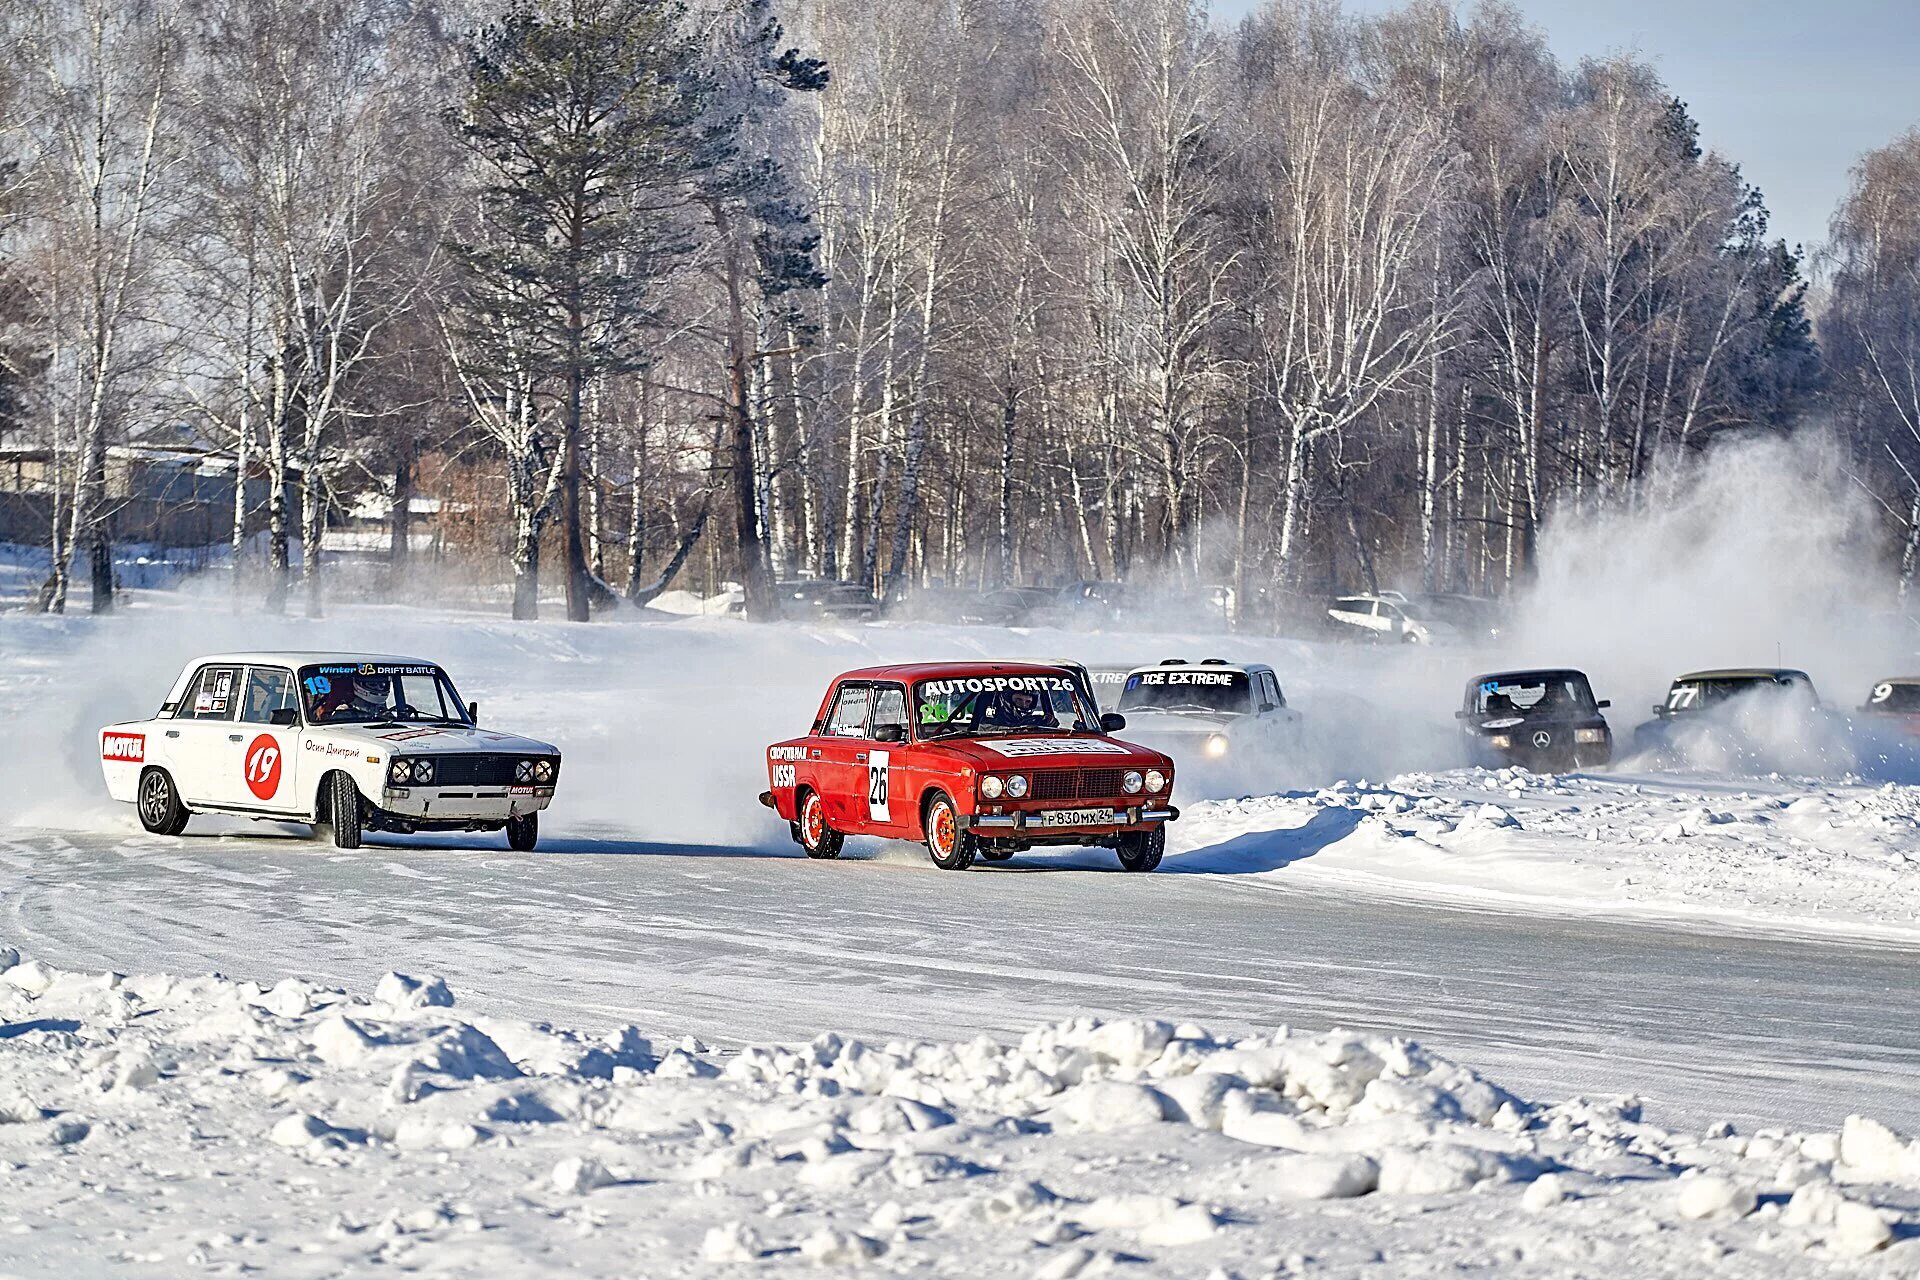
pixel 219 1126
pixel 732 945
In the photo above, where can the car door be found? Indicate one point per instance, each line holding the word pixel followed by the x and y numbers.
pixel 204 736
pixel 257 769
pixel 843 778
pixel 889 795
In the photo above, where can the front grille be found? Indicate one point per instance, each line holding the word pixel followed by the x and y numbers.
pixel 477 770
pixel 1076 784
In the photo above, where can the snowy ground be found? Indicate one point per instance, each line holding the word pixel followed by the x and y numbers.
pixel 162 1126
pixel 1732 949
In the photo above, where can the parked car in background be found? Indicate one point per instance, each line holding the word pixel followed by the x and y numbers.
pixel 976 759
pixel 826 599
pixel 1397 618
pixel 1210 715
pixel 1547 721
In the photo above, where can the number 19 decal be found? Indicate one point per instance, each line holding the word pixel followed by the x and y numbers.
pixel 877 809
pixel 263 766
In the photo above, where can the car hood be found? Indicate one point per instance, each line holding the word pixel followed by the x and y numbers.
pixel 1044 751
pixel 434 740
pixel 1179 724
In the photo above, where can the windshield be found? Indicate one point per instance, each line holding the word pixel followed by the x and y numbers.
pixel 1558 695
pixel 1186 691
pixel 369 692
pixel 1894 695
pixel 983 706
pixel 1687 696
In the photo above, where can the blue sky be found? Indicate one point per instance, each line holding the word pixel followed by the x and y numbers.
pixel 1792 92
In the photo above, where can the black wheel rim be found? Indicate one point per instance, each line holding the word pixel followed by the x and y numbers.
pixel 154 799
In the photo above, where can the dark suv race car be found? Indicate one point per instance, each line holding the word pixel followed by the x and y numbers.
pixel 1546 721
pixel 1742 719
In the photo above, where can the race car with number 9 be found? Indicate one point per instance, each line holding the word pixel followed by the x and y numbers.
pixel 976 760
pixel 347 742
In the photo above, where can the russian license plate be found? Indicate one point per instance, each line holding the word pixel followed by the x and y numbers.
pixel 1075 817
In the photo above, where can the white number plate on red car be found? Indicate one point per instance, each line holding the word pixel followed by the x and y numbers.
pixel 1075 817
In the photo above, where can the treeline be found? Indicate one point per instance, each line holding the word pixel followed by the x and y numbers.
pixel 930 291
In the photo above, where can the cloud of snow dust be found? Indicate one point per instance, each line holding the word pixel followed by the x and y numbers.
pixel 1764 555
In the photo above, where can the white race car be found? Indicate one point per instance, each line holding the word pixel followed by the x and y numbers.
pixel 353 742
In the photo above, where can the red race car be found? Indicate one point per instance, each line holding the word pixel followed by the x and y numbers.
pixel 978 759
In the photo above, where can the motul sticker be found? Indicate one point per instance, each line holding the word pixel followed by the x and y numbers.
pixel 130 747
pixel 1057 747
pixel 263 766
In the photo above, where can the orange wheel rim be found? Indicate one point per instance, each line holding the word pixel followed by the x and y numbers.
pixel 943 829
pixel 811 822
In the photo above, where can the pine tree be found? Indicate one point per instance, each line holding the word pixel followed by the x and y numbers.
pixel 586 121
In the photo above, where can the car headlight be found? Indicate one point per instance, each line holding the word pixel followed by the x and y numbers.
pixel 523 771
pixel 1156 780
pixel 543 771
pixel 423 771
pixel 402 772
pixel 1501 741
pixel 1589 735
pixel 1217 745
pixel 1132 782
pixel 1017 785
pixel 991 786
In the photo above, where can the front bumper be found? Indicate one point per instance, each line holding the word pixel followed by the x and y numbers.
pixel 464 804
pixel 1019 824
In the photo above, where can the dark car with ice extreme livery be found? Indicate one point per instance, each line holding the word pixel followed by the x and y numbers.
pixel 1545 720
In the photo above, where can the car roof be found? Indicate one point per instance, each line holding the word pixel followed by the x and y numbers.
pixel 1245 668
pixel 906 672
pixel 1898 680
pixel 1529 673
pixel 306 657
pixel 1746 673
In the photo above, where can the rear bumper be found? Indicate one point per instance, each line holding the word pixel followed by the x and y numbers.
pixel 1018 824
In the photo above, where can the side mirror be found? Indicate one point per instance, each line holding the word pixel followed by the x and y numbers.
pixel 283 717
pixel 1460 715
pixel 1604 703
pixel 473 712
pixel 1660 710
pixel 890 733
pixel 1112 722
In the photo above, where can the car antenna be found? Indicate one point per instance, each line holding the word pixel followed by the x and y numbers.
pixel 1779 655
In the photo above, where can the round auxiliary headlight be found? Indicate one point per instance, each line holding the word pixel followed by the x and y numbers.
pixel 543 771
pixel 1156 781
pixel 423 771
pixel 402 771
pixel 991 787
pixel 523 771
pixel 1132 782
pixel 1017 785
pixel 1217 745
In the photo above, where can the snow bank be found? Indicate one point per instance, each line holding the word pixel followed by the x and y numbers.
pixel 158 1124
pixel 1832 857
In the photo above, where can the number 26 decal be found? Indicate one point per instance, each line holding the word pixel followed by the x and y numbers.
pixel 877 810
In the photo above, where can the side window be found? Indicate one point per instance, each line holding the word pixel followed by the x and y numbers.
pixel 890 708
pixel 213 696
pixel 849 717
pixel 1270 689
pixel 269 689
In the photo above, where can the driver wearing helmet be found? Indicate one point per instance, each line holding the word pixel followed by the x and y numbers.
pixel 1023 707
